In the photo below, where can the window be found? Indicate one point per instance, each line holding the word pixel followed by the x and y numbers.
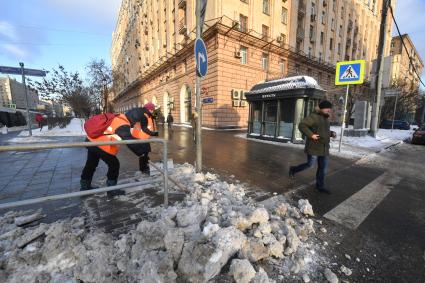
pixel 342 12
pixel 320 57
pixel 319 77
pixel 266 7
pixel 311 32
pixel 284 15
pixel 283 38
pixel 333 24
pixel 331 43
pixel 322 37
pixel 243 23
pixel 339 48
pixel 297 68
pixel 340 30
pixel 313 9
pixel 323 17
pixel 244 55
pixel 310 52
pixel 282 65
pixel 265 61
pixel 265 32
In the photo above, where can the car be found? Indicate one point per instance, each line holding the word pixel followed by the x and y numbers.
pixel 419 135
pixel 398 124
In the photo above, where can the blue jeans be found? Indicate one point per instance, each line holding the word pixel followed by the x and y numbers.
pixel 322 166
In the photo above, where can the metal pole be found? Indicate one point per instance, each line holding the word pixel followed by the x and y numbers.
pixel 380 71
pixel 74 194
pixel 198 97
pixel 26 98
pixel 343 118
pixel 395 108
pixel 165 166
pixel 72 145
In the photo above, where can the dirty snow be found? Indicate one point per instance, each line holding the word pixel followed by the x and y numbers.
pixel 216 224
pixel 74 128
pixel 352 147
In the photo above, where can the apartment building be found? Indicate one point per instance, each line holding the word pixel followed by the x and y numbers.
pixel 12 94
pixel 402 68
pixel 248 41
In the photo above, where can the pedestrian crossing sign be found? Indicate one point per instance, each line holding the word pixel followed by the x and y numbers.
pixel 350 72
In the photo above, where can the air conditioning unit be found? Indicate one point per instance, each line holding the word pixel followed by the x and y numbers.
pixel 238 54
pixel 236 24
pixel 279 39
pixel 236 103
pixel 242 94
pixel 236 95
pixel 243 103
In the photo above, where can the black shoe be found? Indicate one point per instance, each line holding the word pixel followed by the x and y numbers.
pixel 291 172
pixel 111 183
pixel 323 190
pixel 85 185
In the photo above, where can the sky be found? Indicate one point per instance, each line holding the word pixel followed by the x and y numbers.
pixel 44 33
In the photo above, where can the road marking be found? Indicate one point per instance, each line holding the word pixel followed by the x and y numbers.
pixel 354 210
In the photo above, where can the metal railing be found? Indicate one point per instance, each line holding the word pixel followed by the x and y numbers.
pixel 164 172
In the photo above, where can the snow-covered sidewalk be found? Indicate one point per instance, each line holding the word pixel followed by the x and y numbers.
pixel 353 147
pixel 74 128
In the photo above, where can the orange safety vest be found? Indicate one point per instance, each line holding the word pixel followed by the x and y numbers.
pixel 109 135
pixel 137 131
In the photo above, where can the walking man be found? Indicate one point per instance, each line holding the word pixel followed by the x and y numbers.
pixel 170 120
pixel 137 123
pixel 316 128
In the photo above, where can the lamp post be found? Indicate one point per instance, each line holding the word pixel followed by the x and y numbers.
pixel 105 96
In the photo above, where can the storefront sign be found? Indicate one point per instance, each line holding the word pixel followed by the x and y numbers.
pixel 268 95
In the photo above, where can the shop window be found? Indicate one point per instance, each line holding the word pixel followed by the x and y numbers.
pixel 257 113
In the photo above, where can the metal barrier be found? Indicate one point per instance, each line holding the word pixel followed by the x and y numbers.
pixel 94 191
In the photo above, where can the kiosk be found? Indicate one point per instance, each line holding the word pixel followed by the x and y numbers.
pixel 277 107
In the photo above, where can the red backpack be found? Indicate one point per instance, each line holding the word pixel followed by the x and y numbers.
pixel 96 125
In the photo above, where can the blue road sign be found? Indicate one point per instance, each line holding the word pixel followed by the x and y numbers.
pixel 201 57
pixel 350 72
pixel 27 72
pixel 208 100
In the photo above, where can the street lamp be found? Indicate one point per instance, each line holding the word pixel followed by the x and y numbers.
pixel 105 95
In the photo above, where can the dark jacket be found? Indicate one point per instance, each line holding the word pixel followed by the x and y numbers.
pixel 136 115
pixel 170 118
pixel 316 123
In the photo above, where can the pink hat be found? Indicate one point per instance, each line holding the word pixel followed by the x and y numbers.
pixel 150 106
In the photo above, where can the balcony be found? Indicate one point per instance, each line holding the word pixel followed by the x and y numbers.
pixel 182 4
pixel 182 26
pixel 300 34
pixel 301 9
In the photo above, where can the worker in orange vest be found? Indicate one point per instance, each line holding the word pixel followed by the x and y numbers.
pixel 137 123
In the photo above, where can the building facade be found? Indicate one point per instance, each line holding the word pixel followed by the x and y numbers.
pixel 402 69
pixel 12 94
pixel 247 41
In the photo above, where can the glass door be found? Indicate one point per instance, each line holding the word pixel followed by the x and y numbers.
pixel 270 118
pixel 287 115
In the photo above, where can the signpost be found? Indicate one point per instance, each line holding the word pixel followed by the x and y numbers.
pixel 201 59
pixel 24 72
pixel 348 72
pixel 392 93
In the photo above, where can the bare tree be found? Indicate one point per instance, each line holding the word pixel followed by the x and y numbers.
pixel 99 78
pixel 406 103
pixel 66 88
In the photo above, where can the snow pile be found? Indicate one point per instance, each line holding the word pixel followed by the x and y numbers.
pixel 74 128
pixel 216 225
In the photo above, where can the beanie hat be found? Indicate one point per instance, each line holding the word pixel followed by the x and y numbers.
pixel 150 106
pixel 325 104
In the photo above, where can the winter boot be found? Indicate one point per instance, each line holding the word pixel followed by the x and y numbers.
pixel 111 183
pixel 85 185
